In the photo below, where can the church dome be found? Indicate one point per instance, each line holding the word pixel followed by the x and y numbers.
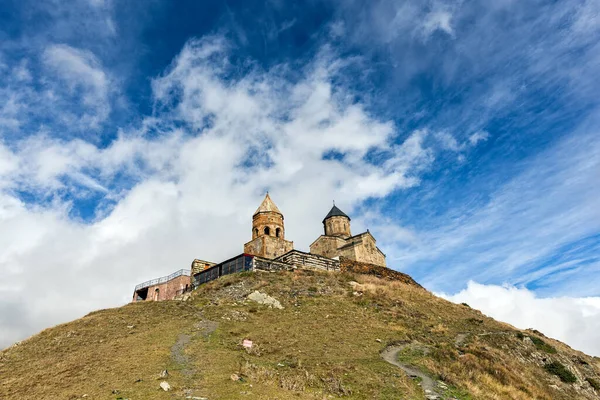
pixel 335 212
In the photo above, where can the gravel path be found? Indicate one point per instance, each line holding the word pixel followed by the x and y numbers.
pixel 390 354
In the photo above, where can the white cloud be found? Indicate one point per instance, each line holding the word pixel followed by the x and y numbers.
pixel 438 19
pixel 77 67
pixel 491 64
pixel 8 164
pixel 478 136
pixel 337 29
pixel 448 141
pixel 83 75
pixel 21 72
pixel 572 320
pixel 587 18
pixel 197 183
pixel 65 86
pixel 10 112
pixel 523 233
pixel 88 20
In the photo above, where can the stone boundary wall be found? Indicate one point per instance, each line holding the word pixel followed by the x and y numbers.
pixel 301 259
pixel 357 267
pixel 264 264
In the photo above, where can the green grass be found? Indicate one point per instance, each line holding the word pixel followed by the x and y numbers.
pixel 458 394
pixel 411 354
pixel 561 371
pixel 542 346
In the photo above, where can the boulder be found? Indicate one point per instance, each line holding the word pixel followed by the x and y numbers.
pixel 262 298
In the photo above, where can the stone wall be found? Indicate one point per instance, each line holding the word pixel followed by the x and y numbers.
pixel 363 248
pixel 327 246
pixel 200 265
pixel 268 247
pixel 338 226
pixel 357 267
pixel 264 264
pixel 272 220
pixel 301 259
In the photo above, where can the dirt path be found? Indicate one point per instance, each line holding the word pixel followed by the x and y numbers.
pixel 178 354
pixel 390 354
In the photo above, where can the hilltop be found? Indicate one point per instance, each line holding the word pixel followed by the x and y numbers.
pixel 335 335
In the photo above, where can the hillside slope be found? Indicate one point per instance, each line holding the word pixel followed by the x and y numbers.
pixel 326 342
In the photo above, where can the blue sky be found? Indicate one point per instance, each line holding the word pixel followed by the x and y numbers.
pixel 135 137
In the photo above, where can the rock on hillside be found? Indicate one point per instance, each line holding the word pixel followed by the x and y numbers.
pixel 327 340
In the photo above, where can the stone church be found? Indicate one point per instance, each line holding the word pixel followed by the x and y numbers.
pixel 337 241
pixel 336 250
pixel 268 237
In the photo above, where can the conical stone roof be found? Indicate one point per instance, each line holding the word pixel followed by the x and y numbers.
pixel 267 206
pixel 335 212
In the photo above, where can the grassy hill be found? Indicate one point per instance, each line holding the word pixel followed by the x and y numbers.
pixel 326 342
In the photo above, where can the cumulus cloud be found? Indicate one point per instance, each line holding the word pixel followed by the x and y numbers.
pixel 185 183
pixel 572 320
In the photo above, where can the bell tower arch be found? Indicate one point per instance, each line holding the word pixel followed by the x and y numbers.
pixel 268 220
pixel 268 232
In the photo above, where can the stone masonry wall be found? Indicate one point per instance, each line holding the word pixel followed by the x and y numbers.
pixel 371 269
pixel 268 247
pixel 338 226
pixel 200 265
pixel 273 221
pixel 305 260
pixel 363 249
pixel 327 246
pixel 263 264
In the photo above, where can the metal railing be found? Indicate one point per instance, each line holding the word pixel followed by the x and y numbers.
pixel 164 279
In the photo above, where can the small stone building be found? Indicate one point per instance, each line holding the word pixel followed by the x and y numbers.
pixel 164 288
pixel 338 241
pixel 268 232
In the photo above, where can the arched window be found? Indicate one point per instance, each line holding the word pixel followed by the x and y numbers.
pixel 255 232
pixel 156 291
pixel 267 230
pixel 277 232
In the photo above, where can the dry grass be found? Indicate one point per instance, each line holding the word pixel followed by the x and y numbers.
pixel 96 355
pixel 325 342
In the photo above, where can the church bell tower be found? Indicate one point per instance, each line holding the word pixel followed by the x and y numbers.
pixel 268 232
